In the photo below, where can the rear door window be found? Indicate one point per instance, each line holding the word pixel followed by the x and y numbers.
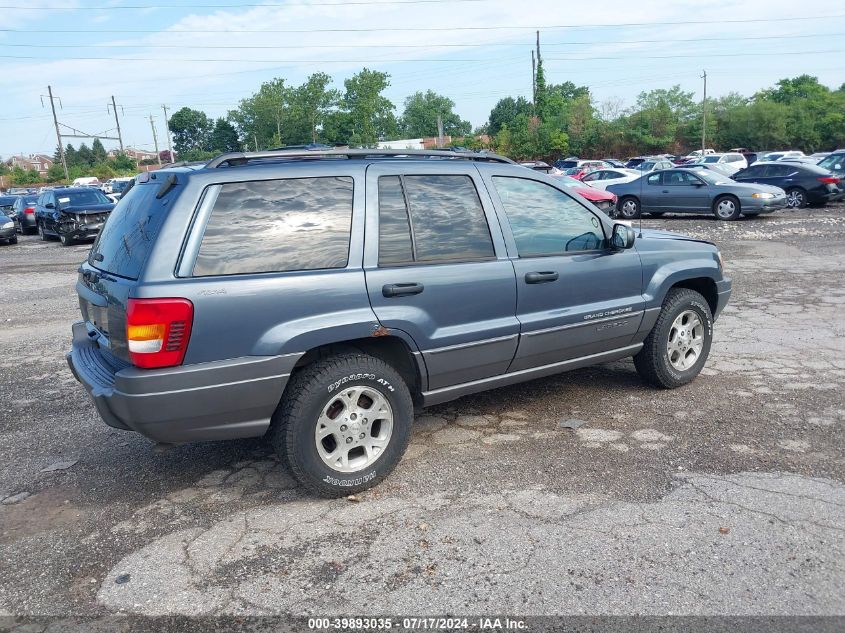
pixel 130 232
pixel 277 226
pixel 429 219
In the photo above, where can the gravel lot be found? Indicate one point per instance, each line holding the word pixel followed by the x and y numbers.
pixel 722 497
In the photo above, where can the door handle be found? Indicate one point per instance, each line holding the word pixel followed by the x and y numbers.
pixel 665 191
pixel 541 277
pixel 401 290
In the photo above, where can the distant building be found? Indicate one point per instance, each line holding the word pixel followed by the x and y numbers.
pixel 135 154
pixel 39 162
pixel 429 142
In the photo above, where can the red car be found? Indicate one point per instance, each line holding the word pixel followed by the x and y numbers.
pixel 604 200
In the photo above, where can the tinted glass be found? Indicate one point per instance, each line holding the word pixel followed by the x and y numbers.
pixel 834 162
pixel 394 229
pixel 779 171
pixel 711 159
pixel 276 226
pixel 81 198
pixel 6 202
pixel 755 171
pixel 129 233
pixel 447 219
pixel 545 221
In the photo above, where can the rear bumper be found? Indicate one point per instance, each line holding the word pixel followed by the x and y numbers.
pixel 220 400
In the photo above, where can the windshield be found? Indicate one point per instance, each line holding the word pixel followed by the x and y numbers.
pixel 710 159
pixel 711 177
pixel 833 162
pixel 569 182
pixel 80 198
pixel 573 171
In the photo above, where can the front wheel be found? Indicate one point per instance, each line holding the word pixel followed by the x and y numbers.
pixel 726 208
pixel 629 208
pixel 796 198
pixel 67 240
pixel 678 345
pixel 343 424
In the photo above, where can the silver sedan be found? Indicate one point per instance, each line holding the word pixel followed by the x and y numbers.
pixel 695 191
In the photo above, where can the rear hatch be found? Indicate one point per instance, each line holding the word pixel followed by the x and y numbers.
pixel 115 263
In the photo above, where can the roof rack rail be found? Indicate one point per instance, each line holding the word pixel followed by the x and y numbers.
pixel 243 158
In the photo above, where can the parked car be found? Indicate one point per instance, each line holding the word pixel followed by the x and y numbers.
pixel 6 204
pixel 820 155
pixel 581 167
pixel 613 162
pixel 182 338
pixel 23 214
pixel 804 184
pixel 835 163
pixel 695 191
pixel 71 214
pixel 598 197
pixel 721 169
pixel 116 186
pixel 7 229
pixel 648 164
pixel 773 156
pixel 601 178
pixel 537 165
pixel 87 181
pixel 731 159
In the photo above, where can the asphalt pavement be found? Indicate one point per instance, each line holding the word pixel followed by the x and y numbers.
pixel 723 497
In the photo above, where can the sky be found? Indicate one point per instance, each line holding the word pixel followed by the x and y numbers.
pixel 209 54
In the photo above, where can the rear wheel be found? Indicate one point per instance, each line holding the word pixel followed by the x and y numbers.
pixel 796 198
pixel 726 208
pixel 41 232
pixel 343 424
pixel 629 208
pixel 678 345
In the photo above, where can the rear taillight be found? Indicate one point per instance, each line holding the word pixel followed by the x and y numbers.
pixel 157 331
pixel 29 210
pixel 829 180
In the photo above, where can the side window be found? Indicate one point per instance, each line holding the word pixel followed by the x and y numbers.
pixel 779 171
pixel 443 220
pixel 755 171
pixel 593 176
pixel 276 226
pixel 654 179
pixel 678 178
pixel 546 221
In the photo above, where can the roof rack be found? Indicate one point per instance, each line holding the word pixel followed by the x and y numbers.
pixel 243 158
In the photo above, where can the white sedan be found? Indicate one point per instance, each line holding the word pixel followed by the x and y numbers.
pixel 601 178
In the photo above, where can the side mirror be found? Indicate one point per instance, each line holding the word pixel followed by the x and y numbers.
pixel 623 237
pixel 49 205
pixel 698 184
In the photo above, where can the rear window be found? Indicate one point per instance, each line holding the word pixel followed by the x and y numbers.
pixel 128 235
pixel 277 226
pixel 834 162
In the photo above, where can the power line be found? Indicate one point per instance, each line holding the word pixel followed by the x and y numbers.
pixel 415 60
pixel 425 46
pixel 234 6
pixel 437 29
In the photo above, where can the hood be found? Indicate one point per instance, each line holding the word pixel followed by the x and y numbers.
pixel 4 219
pixel 592 194
pixel 87 208
pixel 654 234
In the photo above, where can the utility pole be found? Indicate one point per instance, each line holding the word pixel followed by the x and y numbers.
pixel 533 81
pixel 167 129
pixel 704 114
pixel 155 140
pixel 58 133
pixel 117 123
pixel 439 132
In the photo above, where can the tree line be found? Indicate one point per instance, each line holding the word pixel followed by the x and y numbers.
pixel 563 119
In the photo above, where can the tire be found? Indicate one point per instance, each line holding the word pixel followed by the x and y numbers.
pixel 655 362
pixel 314 400
pixel 13 240
pixel 796 198
pixel 629 208
pixel 66 240
pixel 41 232
pixel 726 208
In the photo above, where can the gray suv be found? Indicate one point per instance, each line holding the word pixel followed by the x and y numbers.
pixel 320 297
